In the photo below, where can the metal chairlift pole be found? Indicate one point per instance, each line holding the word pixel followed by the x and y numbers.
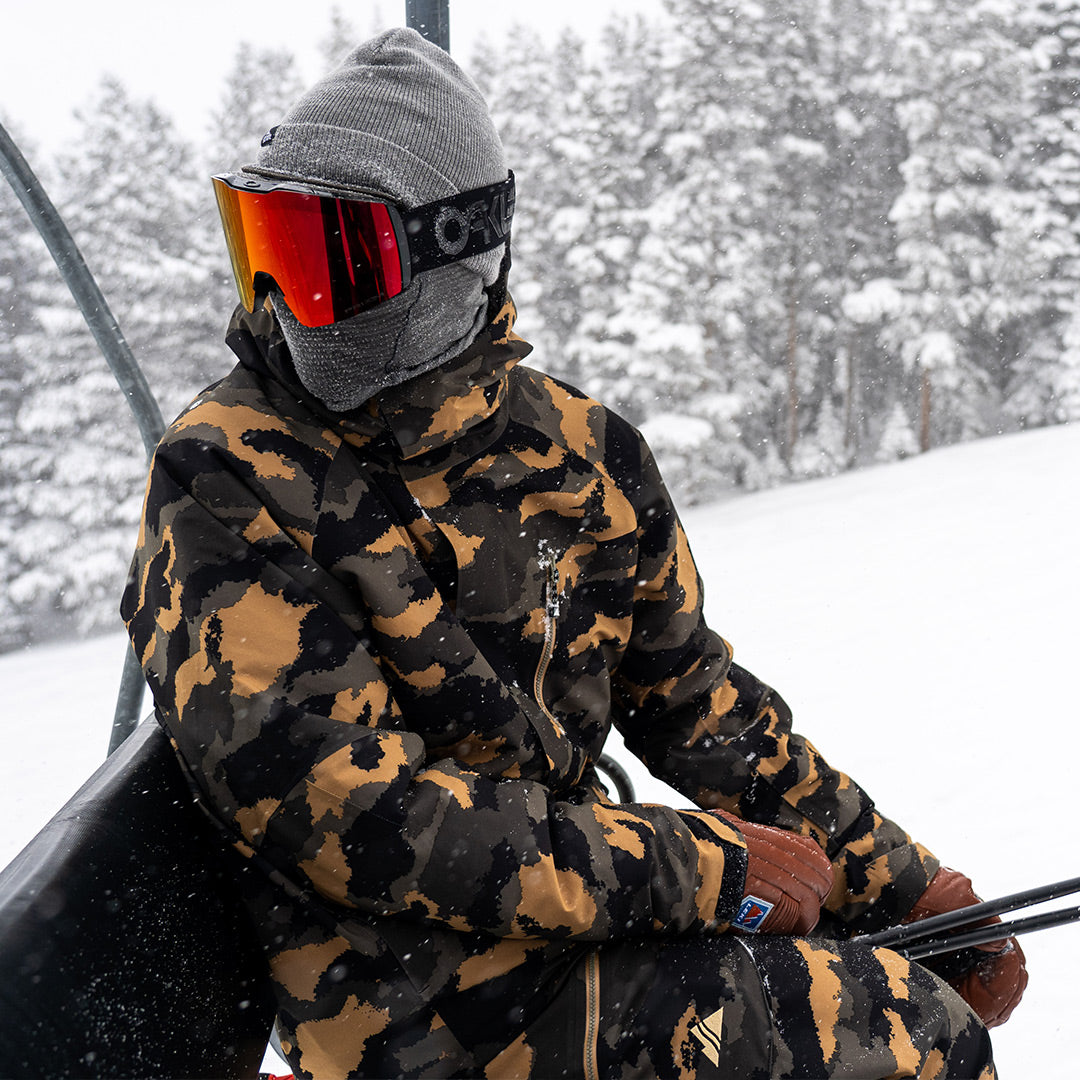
pixel 106 331
pixel 85 289
pixel 431 18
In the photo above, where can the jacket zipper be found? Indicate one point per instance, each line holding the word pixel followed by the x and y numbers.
pixel 592 1014
pixel 552 608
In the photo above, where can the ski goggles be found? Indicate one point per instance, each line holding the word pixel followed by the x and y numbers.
pixel 332 257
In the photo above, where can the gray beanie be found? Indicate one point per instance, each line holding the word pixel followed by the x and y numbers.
pixel 401 122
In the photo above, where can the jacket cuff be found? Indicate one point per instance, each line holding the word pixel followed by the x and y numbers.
pixel 722 863
pixel 879 876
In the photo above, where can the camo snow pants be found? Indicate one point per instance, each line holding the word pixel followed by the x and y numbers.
pixel 751 1009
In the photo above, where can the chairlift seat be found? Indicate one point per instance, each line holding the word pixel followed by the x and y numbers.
pixel 124 944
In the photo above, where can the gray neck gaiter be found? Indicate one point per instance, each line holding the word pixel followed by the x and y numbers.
pixel 344 364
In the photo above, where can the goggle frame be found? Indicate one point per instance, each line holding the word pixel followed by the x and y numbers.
pixel 315 243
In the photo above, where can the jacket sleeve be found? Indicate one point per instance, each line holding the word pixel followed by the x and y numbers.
pixel 723 738
pixel 285 721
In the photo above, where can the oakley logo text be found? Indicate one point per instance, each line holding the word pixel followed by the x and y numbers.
pixel 453 227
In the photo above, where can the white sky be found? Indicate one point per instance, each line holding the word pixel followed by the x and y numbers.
pixel 178 53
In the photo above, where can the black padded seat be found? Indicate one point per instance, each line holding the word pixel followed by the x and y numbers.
pixel 125 949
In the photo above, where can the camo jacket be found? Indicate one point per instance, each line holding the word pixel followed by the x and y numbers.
pixel 388 647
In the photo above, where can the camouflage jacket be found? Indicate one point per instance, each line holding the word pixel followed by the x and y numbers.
pixel 389 645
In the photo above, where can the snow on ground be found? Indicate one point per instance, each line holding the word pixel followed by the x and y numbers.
pixel 920 619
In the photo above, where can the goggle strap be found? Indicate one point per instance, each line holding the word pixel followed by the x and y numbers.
pixel 447 231
pixel 497 294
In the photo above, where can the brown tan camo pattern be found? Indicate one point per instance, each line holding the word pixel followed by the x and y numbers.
pixel 389 646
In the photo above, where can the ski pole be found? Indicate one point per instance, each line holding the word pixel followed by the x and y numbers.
pixel 896 936
pixel 923 949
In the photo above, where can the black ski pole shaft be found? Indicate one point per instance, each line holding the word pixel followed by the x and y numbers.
pixel 922 950
pixel 895 936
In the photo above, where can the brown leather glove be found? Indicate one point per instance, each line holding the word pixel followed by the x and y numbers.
pixel 787 871
pixel 994 987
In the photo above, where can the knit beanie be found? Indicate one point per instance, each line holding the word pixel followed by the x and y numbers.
pixel 398 121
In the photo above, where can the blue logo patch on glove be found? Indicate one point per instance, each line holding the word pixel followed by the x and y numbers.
pixel 752 914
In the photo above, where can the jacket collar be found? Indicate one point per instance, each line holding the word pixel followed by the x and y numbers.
pixel 423 414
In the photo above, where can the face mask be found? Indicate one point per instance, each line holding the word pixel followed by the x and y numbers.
pixel 435 319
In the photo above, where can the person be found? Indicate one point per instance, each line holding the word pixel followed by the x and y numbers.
pixel 392 591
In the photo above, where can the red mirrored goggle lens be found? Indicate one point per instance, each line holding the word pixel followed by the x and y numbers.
pixel 330 257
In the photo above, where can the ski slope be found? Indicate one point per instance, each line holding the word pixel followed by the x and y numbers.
pixel 920 619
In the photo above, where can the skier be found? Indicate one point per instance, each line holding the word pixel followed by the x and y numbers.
pixel 391 593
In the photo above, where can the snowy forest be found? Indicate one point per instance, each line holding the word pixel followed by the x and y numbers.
pixel 785 238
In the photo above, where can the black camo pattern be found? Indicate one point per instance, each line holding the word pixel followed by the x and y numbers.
pixel 389 646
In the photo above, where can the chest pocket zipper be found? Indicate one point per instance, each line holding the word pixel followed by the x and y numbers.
pixel 552 608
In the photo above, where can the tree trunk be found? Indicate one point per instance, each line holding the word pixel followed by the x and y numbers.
pixel 924 412
pixel 851 440
pixel 792 378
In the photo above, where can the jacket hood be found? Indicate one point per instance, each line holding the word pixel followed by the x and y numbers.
pixel 425 413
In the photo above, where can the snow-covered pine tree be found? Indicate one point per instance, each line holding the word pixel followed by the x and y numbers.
pixel 124 190
pixel 538 107
pixel 968 252
pixel 897 437
pixel 642 341
pixel 790 204
pixel 137 202
pixel 1045 384
pixel 258 89
pixel 622 344
pixel 717 252
pixel 867 148
pixel 23 261
pixel 818 173
pixel 821 450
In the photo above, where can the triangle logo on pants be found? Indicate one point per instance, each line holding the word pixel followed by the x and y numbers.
pixel 707 1032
